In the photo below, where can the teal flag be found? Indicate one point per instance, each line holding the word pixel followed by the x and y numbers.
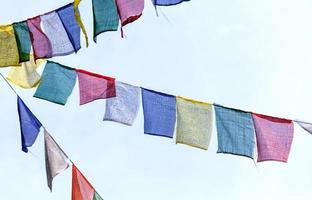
pixel 97 196
pixel 23 41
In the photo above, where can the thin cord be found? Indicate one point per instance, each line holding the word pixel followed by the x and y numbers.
pixel 8 84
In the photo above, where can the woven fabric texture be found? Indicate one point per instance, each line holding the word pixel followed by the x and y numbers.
pixel 129 10
pixel 23 40
pixel 8 47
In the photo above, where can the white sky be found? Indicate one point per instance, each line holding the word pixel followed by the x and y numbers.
pixel 253 55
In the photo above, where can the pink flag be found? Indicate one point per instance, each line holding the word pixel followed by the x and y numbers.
pixel 95 86
pixel 274 137
pixel 129 10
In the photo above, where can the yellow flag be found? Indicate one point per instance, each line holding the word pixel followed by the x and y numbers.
pixel 79 21
pixel 8 47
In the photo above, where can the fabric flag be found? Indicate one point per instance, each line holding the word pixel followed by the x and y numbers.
pixel 81 188
pixel 25 76
pixel 55 31
pixel 40 42
pixel 23 40
pixel 194 123
pixel 95 86
pixel 129 10
pixel 8 47
pixel 305 125
pixel 71 26
pixel 105 17
pixel 167 2
pixel 79 21
pixel 274 137
pixel 29 124
pixel 235 131
pixel 125 106
pixel 57 83
pixel 159 113
pixel 56 160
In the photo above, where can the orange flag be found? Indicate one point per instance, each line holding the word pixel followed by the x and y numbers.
pixel 81 188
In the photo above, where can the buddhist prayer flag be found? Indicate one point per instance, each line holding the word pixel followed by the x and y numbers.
pixel 97 196
pixel 159 113
pixel 79 21
pixel 274 137
pixel 57 83
pixel 71 26
pixel 167 2
pixel 124 107
pixel 56 160
pixel 8 47
pixel 23 40
pixel 29 124
pixel 235 131
pixel 305 125
pixel 95 86
pixel 105 17
pixel 40 42
pixel 129 10
pixel 194 123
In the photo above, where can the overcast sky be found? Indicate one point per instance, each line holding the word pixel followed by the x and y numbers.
pixel 252 55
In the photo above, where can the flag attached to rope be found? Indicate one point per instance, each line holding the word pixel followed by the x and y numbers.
pixel 274 137
pixel 194 123
pixel 305 125
pixel 8 47
pixel 79 21
pixel 56 160
pixel 94 86
pixel 29 124
pixel 167 2
pixel 23 40
pixel 105 17
pixel 57 83
pixel 129 10
pixel 159 113
pixel 124 107
pixel 235 131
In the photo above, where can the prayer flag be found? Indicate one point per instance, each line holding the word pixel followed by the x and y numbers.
pixel 305 125
pixel 274 137
pixel 29 124
pixel 235 131
pixel 57 83
pixel 159 113
pixel 124 107
pixel 23 40
pixel 8 47
pixel 79 21
pixel 105 17
pixel 129 10
pixel 194 123
pixel 56 160
pixel 97 196
pixel 167 2
pixel 94 86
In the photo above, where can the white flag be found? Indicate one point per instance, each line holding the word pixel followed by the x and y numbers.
pixel 305 125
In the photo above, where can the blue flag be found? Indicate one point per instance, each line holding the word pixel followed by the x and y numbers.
pixel 30 125
pixel 167 2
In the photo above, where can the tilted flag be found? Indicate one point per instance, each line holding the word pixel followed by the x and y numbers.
pixel 194 123
pixel 125 106
pixel 40 42
pixel 23 40
pixel 8 47
pixel 94 86
pixel 167 2
pixel 274 137
pixel 105 17
pixel 29 124
pixel 235 131
pixel 79 21
pixel 56 160
pixel 57 83
pixel 305 125
pixel 129 10
pixel 159 113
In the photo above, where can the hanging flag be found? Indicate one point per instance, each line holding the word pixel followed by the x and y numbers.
pixel 105 17
pixel 97 196
pixel 274 137
pixel 55 31
pixel 125 106
pixel 167 2
pixel 40 42
pixel 8 47
pixel 129 10
pixel 56 160
pixel 29 124
pixel 57 83
pixel 305 125
pixel 71 26
pixel 194 123
pixel 94 86
pixel 235 131
pixel 159 113
pixel 79 21
pixel 23 40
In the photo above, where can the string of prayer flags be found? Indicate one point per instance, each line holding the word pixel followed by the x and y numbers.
pixel 125 106
pixel 159 113
pixel 94 86
pixel 235 131
pixel 129 10
pixel 56 160
pixel 105 17
pixel 167 2
pixel 8 47
pixel 305 125
pixel 194 123
pixel 57 83
pixel 274 137
pixel 23 40
pixel 29 124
